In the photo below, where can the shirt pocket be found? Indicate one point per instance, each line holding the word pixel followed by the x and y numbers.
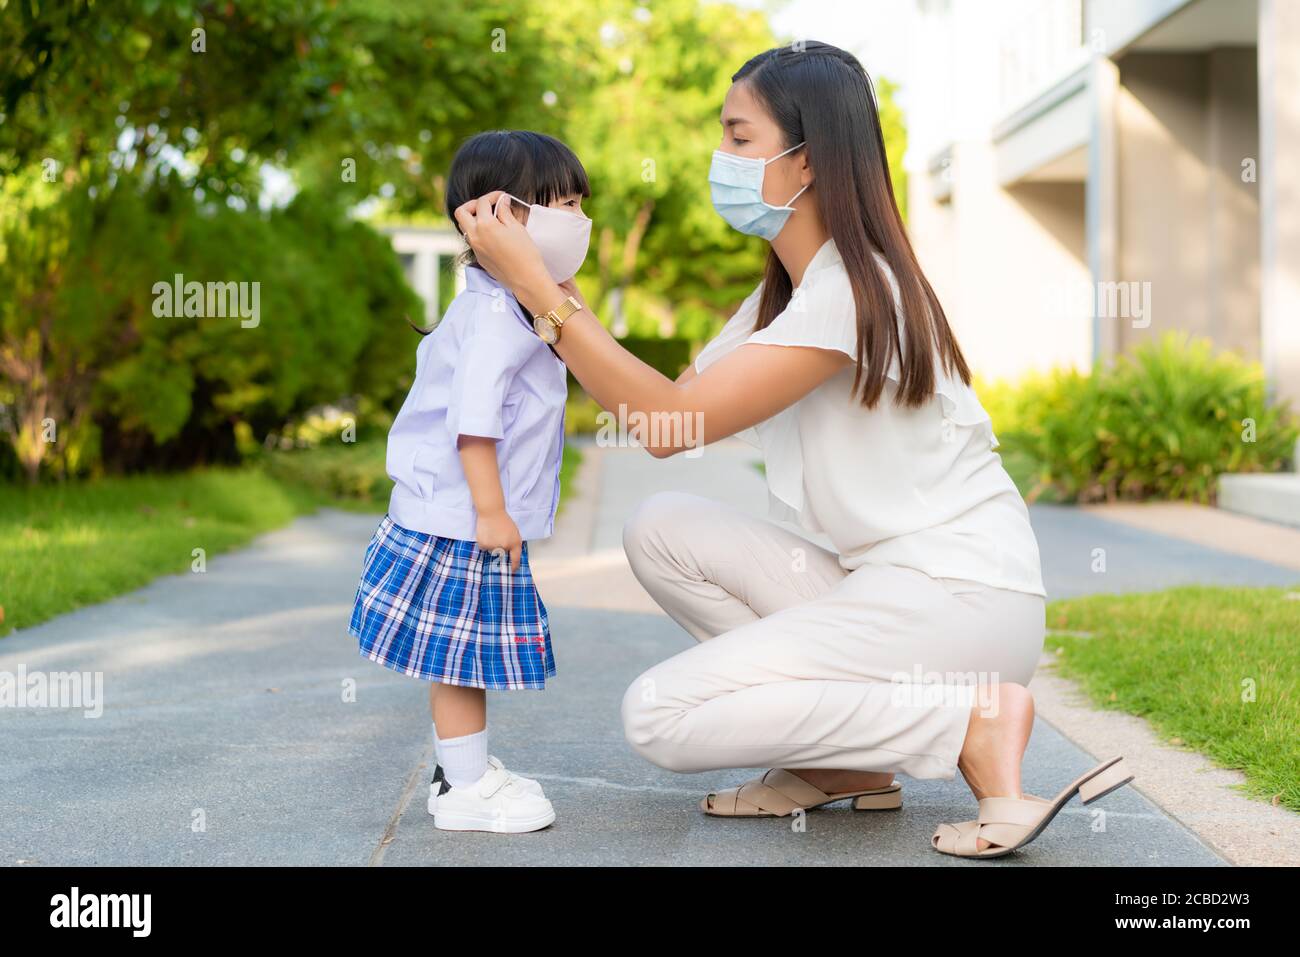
pixel 427 470
pixel 517 427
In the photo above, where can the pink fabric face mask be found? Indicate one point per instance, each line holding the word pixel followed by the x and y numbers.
pixel 561 236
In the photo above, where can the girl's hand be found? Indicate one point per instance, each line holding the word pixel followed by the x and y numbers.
pixel 501 244
pixel 497 533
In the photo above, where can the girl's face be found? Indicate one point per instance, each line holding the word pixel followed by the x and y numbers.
pixel 749 130
pixel 570 204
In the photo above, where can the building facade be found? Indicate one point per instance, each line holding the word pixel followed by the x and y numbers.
pixel 1089 174
pixel 428 257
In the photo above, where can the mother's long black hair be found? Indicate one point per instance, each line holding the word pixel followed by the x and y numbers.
pixel 821 95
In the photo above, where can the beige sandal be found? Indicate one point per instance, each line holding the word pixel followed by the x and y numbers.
pixel 778 793
pixel 1010 823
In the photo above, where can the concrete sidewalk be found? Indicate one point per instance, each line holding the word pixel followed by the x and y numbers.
pixel 231 735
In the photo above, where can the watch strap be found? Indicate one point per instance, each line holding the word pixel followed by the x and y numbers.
pixel 564 310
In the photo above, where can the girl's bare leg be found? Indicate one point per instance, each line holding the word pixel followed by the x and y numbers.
pixel 458 711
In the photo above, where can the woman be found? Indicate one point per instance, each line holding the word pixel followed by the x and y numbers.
pixel 907 648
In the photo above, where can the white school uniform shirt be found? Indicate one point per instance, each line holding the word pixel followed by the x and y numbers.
pixel 921 488
pixel 482 371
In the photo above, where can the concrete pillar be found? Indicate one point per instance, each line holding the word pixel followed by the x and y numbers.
pixel 1101 198
pixel 1279 187
pixel 1232 116
pixel 426 282
pixel 1164 194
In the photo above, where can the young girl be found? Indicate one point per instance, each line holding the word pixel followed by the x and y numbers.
pixel 446 592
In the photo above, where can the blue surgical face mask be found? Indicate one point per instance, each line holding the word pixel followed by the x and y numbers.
pixel 737 186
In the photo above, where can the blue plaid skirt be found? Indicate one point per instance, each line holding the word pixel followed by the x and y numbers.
pixel 444 610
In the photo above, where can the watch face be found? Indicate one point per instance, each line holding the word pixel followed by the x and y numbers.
pixel 545 329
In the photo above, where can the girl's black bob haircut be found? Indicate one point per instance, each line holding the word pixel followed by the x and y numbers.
pixel 532 166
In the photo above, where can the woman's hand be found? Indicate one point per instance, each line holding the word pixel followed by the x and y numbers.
pixel 501 244
pixel 496 532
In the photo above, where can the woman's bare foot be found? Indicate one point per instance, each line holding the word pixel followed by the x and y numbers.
pixel 996 739
pixel 834 781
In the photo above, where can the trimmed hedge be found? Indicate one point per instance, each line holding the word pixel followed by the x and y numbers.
pixel 1163 421
pixel 669 356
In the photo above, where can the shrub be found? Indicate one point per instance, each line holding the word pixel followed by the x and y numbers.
pixel 343 472
pixel 581 414
pixel 129 388
pixel 1053 429
pixel 669 355
pixel 1162 422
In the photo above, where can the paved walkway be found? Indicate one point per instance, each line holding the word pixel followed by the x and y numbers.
pixel 240 726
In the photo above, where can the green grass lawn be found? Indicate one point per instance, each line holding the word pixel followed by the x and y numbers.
pixel 74 544
pixel 353 475
pixel 67 545
pixel 1214 669
pixel 350 475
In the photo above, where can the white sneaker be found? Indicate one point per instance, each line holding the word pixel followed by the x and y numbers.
pixel 437 786
pixel 531 786
pixel 497 802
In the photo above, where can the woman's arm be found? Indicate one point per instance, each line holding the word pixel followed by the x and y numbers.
pixel 495 529
pixel 748 386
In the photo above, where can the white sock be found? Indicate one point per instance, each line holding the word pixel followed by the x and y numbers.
pixel 463 759
pixel 437 759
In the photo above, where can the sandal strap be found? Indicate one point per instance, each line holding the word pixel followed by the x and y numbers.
pixel 968 835
pixel 723 802
pixel 963 838
pixel 1003 823
pixel 1003 835
pixel 1015 811
pixel 777 792
pixel 760 797
pixel 794 788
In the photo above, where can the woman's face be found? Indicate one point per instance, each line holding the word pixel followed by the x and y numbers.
pixel 749 130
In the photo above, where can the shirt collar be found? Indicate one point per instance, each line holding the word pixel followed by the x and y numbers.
pixel 828 255
pixel 478 279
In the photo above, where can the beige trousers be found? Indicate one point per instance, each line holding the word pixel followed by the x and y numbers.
pixel 802 664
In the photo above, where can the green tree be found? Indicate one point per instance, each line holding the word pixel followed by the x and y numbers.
pixel 895 132
pixel 134 143
pixel 133 137
pixel 640 107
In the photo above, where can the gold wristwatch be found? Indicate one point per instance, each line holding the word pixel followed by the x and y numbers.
pixel 548 326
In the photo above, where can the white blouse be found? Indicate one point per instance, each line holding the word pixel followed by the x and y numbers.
pixel 920 488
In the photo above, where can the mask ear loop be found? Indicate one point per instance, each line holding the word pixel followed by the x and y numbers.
pixel 496 210
pixel 777 157
pixel 790 150
pixel 795 196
